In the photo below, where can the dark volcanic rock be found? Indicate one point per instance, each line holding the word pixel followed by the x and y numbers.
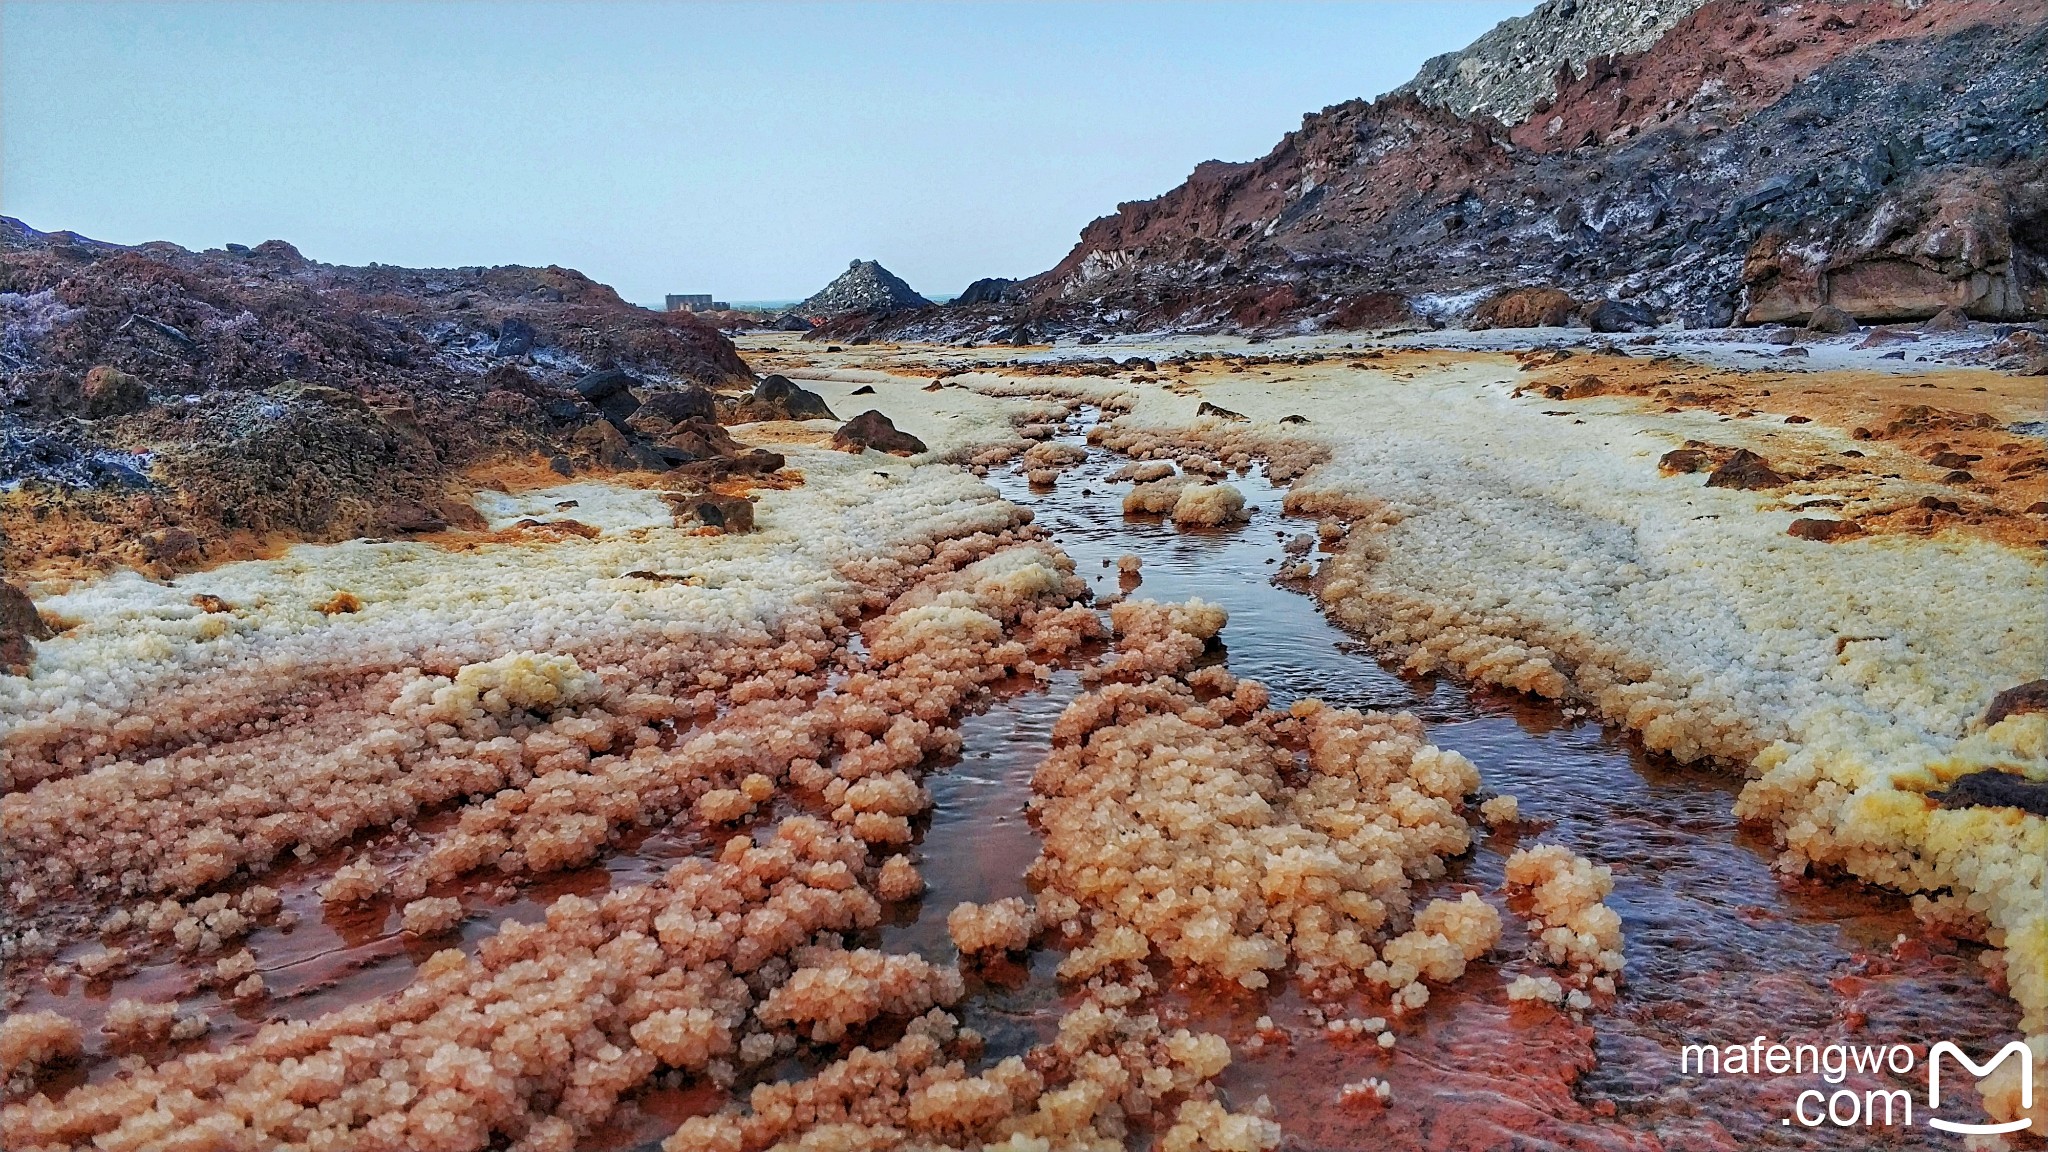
pixel 987 290
pixel 1616 316
pixel 2029 697
pixel 1994 789
pixel 689 402
pixel 1746 470
pixel 609 390
pixel 865 286
pixel 779 398
pixel 871 429
pixel 515 337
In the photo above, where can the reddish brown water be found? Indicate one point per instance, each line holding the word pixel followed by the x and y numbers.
pixel 1720 949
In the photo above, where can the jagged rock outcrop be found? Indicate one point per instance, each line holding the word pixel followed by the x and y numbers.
pixel 1754 162
pixel 865 286
pixel 987 290
pixel 1505 72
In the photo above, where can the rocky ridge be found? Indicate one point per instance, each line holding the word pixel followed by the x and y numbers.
pixel 1756 161
pixel 166 408
pixel 1505 72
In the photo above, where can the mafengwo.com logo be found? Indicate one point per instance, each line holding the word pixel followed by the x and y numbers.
pixel 1833 1105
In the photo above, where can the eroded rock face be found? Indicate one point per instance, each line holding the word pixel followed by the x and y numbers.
pixel 871 429
pixel 1515 66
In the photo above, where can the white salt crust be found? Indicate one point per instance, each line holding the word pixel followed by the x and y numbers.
pixel 146 671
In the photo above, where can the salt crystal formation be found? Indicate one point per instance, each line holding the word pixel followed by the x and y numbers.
pixel 1566 893
pixel 1582 576
pixel 1108 1066
pixel 33 1040
pixel 1171 828
pixel 1002 926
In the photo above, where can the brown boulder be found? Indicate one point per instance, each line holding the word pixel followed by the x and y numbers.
pixel 726 513
pixel 1681 460
pixel 1949 319
pixel 601 443
pixel 2029 697
pixel 871 429
pixel 1745 470
pixel 170 547
pixel 109 391
pixel 20 627
pixel 1526 308
pixel 1824 530
pixel 698 439
pixel 1830 319
pixel 407 518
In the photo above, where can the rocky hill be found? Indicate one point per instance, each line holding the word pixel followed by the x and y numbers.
pixel 865 286
pixel 1754 161
pixel 163 406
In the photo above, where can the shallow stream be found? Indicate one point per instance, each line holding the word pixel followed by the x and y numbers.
pixel 1720 947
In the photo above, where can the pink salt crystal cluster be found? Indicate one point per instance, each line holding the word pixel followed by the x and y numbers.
pixel 33 1041
pixel 1575 929
pixel 1109 1069
pixel 1000 926
pixel 833 990
pixel 1172 828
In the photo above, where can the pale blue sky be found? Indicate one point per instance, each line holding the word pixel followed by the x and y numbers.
pixel 747 150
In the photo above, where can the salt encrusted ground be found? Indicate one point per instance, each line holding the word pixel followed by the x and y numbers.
pixel 1537 544
pixel 558 683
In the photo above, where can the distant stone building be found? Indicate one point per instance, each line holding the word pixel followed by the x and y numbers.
pixel 695 302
